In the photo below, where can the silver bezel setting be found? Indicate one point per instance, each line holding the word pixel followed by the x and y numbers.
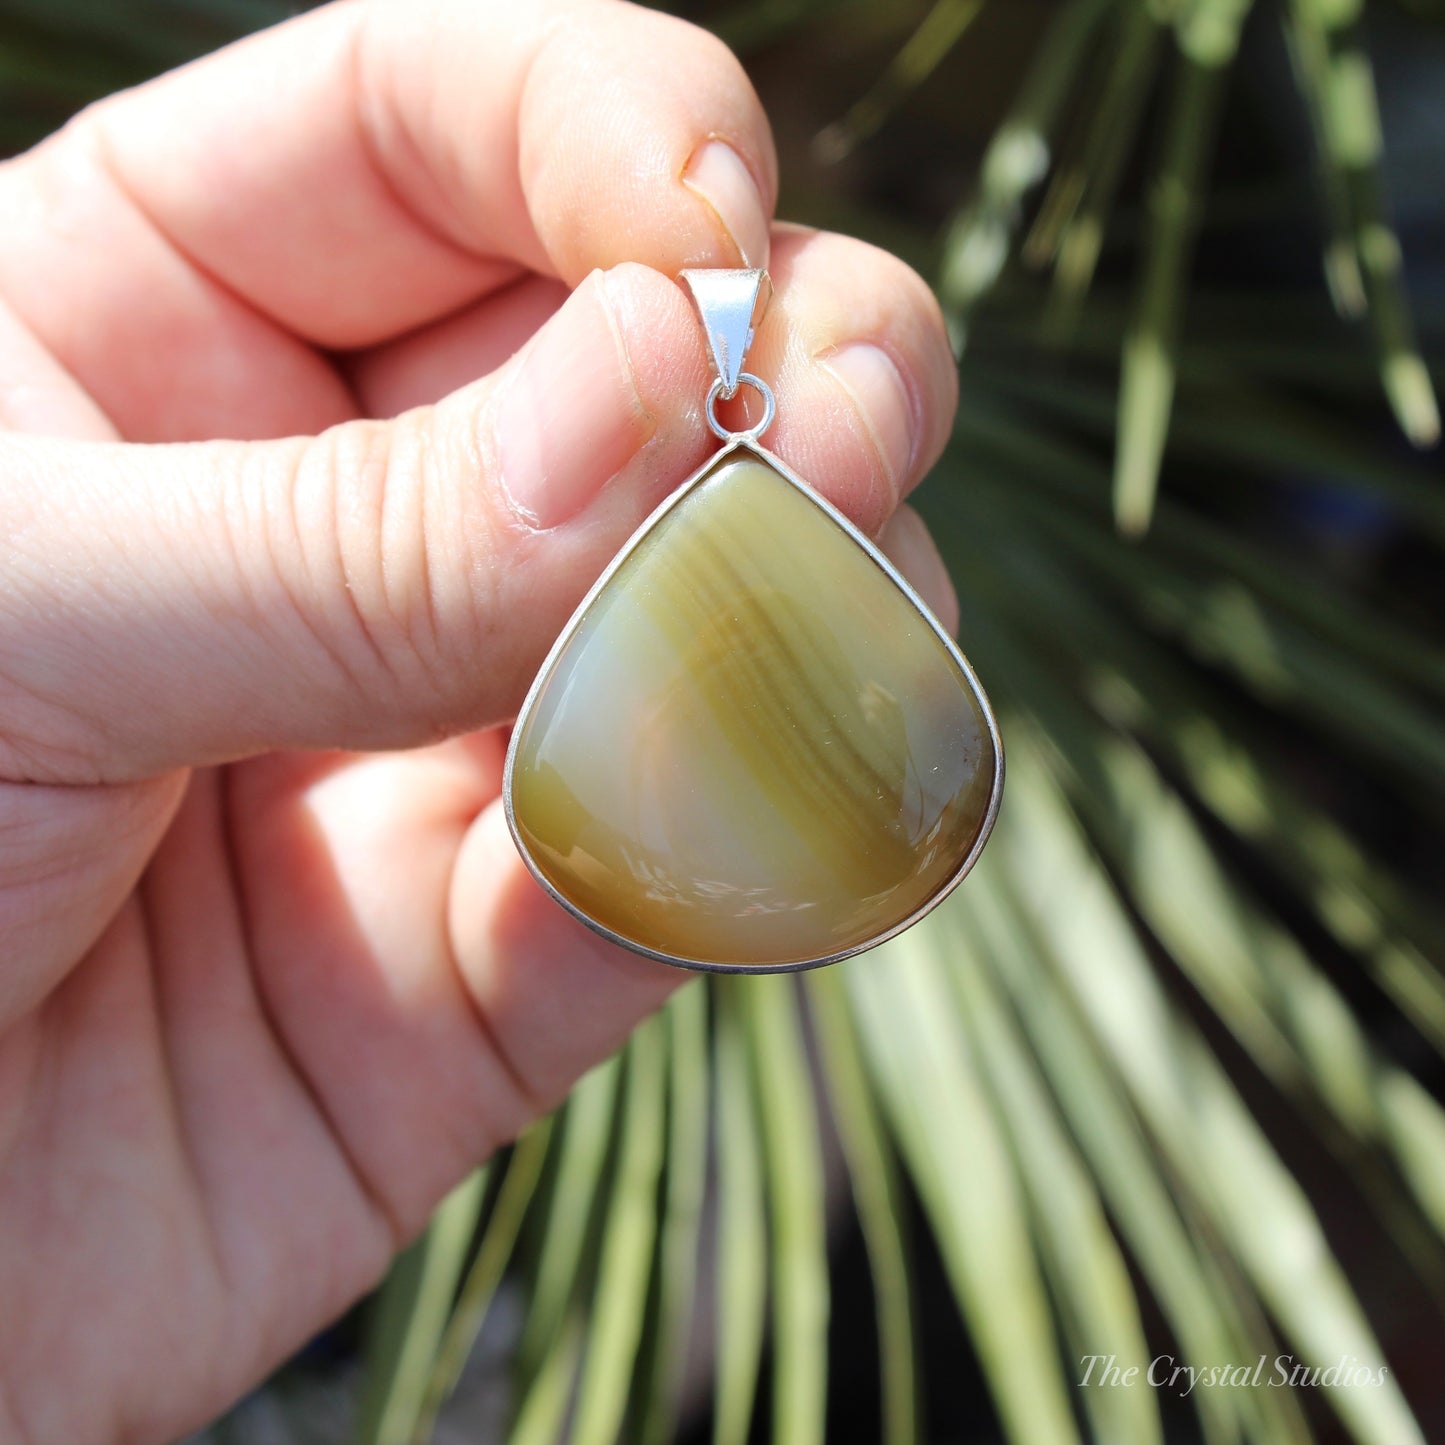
pixel 746 442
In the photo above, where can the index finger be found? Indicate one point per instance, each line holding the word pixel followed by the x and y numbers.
pixel 369 167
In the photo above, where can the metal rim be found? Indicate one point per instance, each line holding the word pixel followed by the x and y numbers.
pixel 739 442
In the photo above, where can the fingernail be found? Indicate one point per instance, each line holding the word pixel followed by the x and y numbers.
pixel 717 173
pixel 570 418
pixel 867 373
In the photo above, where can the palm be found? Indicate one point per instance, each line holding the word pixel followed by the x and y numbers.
pixel 257 1080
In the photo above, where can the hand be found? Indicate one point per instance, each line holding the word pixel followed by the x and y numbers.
pixel 272 977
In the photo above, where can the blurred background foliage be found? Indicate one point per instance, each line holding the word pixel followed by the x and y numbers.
pixel 1163 1078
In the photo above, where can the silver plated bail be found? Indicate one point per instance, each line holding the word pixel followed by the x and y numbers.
pixel 731 304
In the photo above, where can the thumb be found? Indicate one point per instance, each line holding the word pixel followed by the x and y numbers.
pixel 380 585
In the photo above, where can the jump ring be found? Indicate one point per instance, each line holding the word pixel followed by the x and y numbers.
pixel 749 434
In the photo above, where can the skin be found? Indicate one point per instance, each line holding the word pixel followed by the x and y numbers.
pixel 272 978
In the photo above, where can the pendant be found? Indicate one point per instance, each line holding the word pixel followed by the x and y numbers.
pixel 753 748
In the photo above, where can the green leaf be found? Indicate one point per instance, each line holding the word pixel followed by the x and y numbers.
pixel 1224 625
pixel 1081 1257
pixel 1181 715
pixel 1017 159
pixel 794 1181
pixel 877 1195
pixel 544 1407
pixel 1072 228
pixel 410 1313
pixel 936 35
pixel 1249 430
pixel 742 1247
pixel 567 1223
pixel 1295 1024
pixel 629 1236
pixel 1203 1313
pixel 1195 1115
pixel 952 1141
pixel 1363 260
pixel 514 1195
pixel 1309 52
pixel 1281 1007
pixel 1208 34
pixel 684 1191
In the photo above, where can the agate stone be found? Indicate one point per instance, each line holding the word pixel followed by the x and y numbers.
pixel 752 749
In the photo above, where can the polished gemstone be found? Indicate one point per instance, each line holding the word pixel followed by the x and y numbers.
pixel 752 749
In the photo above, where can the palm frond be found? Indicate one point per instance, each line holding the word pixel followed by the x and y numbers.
pixel 957 1155
pixel 628 1242
pixel 410 1314
pixel 878 1196
pixel 688 1105
pixel 793 1175
pixel 742 1249
pixel 937 34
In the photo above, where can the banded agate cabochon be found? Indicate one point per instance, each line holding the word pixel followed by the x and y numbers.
pixel 752 749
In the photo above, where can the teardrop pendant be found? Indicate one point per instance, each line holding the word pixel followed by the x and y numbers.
pixel 752 748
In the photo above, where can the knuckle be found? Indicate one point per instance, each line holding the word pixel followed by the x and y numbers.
pixel 46 733
pixel 912 297
pixel 910 315
pixel 326 546
pixel 388 558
